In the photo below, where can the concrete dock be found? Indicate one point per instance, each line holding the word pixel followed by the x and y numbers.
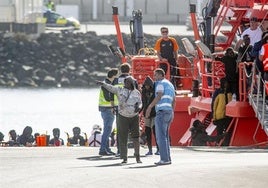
pixel 57 167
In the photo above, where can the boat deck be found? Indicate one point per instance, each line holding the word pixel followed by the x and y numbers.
pixel 83 167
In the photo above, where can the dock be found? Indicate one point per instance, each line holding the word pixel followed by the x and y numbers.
pixel 58 167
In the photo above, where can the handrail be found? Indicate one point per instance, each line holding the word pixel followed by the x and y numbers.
pixel 210 75
pixel 147 51
pixel 212 71
pixel 257 93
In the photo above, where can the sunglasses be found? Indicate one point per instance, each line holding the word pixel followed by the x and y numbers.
pixel 164 32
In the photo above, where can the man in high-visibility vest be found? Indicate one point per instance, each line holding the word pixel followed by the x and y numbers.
pixel 50 5
pixel 106 107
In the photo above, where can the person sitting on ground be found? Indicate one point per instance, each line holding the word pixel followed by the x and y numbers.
pixel 2 143
pixel 95 139
pixel 13 138
pixel 77 139
pixel 56 141
pixel 1 137
pixel 26 139
pixel 199 135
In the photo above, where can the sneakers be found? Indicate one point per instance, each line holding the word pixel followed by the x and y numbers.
pixel 163 163
pixel 104 153
pixel 149 153
pixel 138 159
pixel 110 152
pixel 157 153
pixel 124 161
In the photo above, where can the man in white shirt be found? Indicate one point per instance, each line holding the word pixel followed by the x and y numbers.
pixel 254 32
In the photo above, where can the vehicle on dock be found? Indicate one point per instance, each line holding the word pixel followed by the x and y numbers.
pixel 53 19
pixel 200 73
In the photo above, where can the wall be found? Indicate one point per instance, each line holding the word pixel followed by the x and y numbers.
pixel 154 11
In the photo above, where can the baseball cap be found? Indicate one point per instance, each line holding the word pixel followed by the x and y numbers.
pixel 254 19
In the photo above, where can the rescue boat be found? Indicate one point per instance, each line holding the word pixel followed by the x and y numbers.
pixel 200 74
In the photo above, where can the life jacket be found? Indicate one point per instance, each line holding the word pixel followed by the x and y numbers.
pixel 265 58
pixel 168 96
pixel 104 102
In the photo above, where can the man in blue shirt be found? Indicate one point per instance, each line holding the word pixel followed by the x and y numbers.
pixel 164 103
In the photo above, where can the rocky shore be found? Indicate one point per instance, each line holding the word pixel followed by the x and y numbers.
pixel 59 59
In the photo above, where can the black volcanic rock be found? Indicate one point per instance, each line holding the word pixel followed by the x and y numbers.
pixel 59 59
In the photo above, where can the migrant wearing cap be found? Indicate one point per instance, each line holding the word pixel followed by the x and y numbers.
pixel 130 103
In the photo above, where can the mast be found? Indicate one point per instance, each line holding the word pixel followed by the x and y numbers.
pixel 137 31
pixel 119 34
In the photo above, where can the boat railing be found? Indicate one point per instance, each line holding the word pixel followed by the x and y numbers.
pixel 244 81
pixel 257 97
pixel 211 72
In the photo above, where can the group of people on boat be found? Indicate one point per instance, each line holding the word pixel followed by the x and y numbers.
pixel 250 48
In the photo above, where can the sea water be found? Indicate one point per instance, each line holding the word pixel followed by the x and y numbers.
pixel 45 109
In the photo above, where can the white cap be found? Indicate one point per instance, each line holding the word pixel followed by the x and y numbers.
pixel 96 127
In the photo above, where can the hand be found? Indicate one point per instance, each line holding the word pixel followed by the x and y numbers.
pixel 163 59
pixel 114 110
pixel 137 109
pixel 99 82
pixel 148 111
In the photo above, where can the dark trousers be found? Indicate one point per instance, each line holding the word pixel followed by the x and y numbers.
pixel 128 125
pixel 173 72
pixel 222 125
pixel 148 132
